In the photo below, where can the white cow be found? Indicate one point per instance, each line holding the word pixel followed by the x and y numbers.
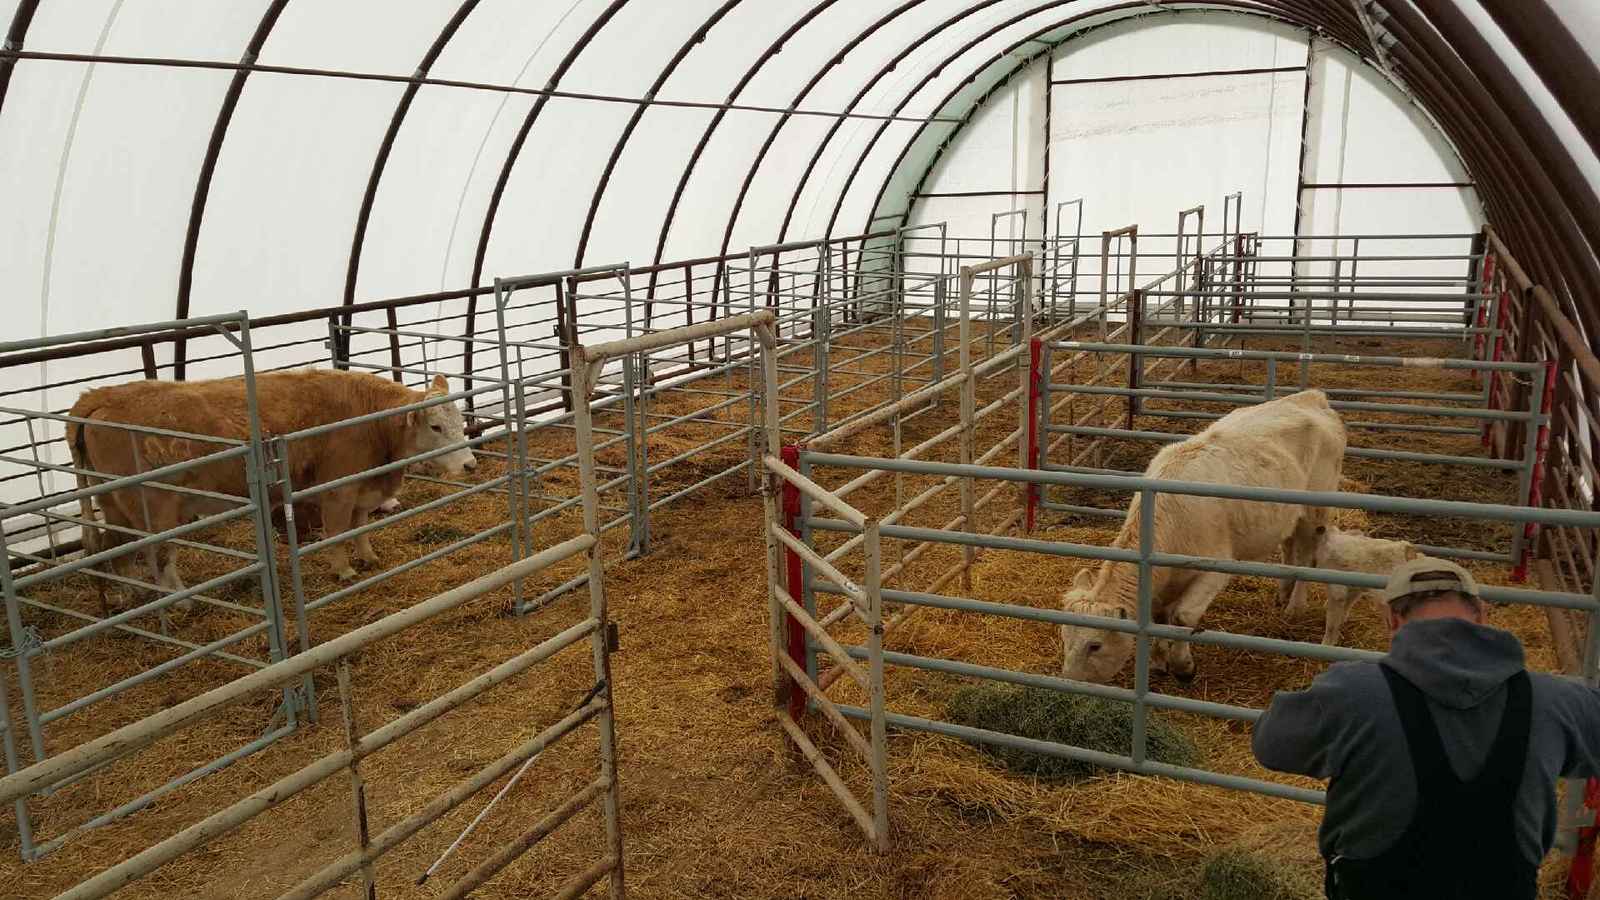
pixel 1351 551
pixel 1296 442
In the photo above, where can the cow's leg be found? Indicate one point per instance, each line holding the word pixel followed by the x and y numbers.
pixel 364 551
pixel 1299 550
pixel 1187 613
pixel 111 594
pixel 1340 599
pixel 336 510
pixel 166 512
pixel 389 505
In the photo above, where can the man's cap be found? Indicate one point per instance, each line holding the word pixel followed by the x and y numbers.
pixel 1426 574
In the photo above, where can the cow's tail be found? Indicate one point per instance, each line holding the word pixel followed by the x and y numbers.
pixel 81 465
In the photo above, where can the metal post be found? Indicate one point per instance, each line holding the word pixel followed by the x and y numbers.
pixel 820 316
pixel 793 575
pixel 296 575
pixel 968 404
pixel 1533 474
pixel 1031 432
pixel 1135 360
pixel 873 587
pixel 511 399
pixel 13 765
pixel 599 640
pixel 259 476
pixel 358 788
pixel 1141 664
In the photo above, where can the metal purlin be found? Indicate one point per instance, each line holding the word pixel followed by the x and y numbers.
pixel 208 168
pixel 382 159
pixel 694 40
pixel 512 154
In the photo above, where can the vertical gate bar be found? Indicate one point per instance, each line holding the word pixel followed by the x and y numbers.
pixel 1026 393
pixel 565 339
pixel 1270 389
pixel 147 356
pixel 13 765
pixel 1045 374
pixel 358 787
pixel 1135 359
pixel 1477 267
pixel 515 443
pixel 940 295
pixel 873 586
pixel 394 343
pixel 600 639
pixel 688 304
pixel 794 578
pixel 296 576
pixel 518 486
pixel 259 477
pixel 750 376
pixel 1031 434
pixel 22 649
pixel 1355 260
pixel 808 600
pixel 968 403
pixel 1534 461
pixel 1141 664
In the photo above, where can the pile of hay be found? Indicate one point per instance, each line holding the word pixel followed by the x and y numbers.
pixel 1089 722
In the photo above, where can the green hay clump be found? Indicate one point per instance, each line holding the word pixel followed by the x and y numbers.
pixel 1092 723
pixel 1237 874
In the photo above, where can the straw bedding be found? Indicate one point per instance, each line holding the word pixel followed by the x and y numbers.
pixel 715 805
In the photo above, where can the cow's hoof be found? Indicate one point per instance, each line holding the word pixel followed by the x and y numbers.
pixel 184 605
pixel 368 562
pixel 1184 677
pixel 389 505
pixel 347 574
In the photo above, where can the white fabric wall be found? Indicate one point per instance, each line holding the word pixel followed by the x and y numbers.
pixel 1138 151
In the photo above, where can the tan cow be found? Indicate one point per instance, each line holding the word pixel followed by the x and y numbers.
pixel 288 402
pixel 1352 551
pixel 1296 442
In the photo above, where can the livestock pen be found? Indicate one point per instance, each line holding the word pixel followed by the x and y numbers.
pixel 677 420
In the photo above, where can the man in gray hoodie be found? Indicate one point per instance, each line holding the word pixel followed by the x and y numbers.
pixel 1443 758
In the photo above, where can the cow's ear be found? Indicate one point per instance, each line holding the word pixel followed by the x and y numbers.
pixel 411 418
pixel 1082 581
pixel 440 385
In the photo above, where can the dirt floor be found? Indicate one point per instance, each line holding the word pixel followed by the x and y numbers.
pixel 715 803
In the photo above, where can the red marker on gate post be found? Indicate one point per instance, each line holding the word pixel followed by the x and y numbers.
pixel 795 578
pixel 1536 483
pixel 1035 388
pixel 1581 876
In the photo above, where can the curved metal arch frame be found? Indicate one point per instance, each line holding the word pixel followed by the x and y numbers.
pixel 705 138
pixel 883 71
pixel 693 41
pixel 872 143
pixel 16 34
pixel 208 168
pixel 512 154
pixel 401 109
pixel 1507 202
pixel 772 135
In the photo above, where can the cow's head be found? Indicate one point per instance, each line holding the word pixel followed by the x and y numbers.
pixel 1092 654
pixel 440 426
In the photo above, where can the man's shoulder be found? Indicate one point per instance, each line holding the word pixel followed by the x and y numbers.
pixel 1563 691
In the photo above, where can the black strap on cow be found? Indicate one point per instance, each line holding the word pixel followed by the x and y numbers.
pixel 1461 843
